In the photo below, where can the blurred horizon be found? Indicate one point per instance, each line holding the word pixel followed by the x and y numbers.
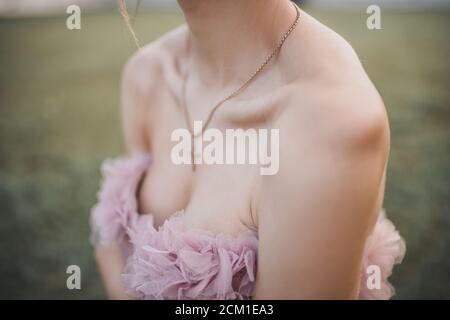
pixel 20 8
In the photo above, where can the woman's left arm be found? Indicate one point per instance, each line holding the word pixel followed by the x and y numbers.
pixel 315 214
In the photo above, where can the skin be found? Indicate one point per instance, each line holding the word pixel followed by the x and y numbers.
pixel 314 216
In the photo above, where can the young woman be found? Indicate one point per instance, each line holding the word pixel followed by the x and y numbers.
pixel 313 230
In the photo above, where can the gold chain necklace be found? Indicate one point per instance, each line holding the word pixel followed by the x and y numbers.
pixel 232 94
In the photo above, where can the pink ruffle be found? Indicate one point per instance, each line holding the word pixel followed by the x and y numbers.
pixel 173 263
pixel 116 209
pixel 170 263
pixel 384 248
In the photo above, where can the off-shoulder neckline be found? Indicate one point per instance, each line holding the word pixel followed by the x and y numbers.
pixel 179 214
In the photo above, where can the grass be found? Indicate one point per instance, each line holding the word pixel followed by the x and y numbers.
pixel 59 119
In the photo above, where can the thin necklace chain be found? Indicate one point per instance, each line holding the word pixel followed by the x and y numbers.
pixel 235 92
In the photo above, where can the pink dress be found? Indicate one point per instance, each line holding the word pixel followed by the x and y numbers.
pixel 172 263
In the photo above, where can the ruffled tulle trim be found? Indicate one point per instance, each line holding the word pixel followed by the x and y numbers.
pixel 173 263
pixel 168 263
pixel 384 248
pixel 116 209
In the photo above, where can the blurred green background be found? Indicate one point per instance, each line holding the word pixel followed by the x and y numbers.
pixel 59 119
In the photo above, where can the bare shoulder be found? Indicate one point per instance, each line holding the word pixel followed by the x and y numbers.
pixel 144 78
pixel 333 148
pixel 145 67
pixel 332 100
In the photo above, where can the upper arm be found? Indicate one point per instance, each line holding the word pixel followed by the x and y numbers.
pixel 138 89
pixel 315 214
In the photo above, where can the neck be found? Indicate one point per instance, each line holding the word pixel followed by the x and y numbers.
pixel 226 35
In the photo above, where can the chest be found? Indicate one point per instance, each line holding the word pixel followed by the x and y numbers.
pixel 217 196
